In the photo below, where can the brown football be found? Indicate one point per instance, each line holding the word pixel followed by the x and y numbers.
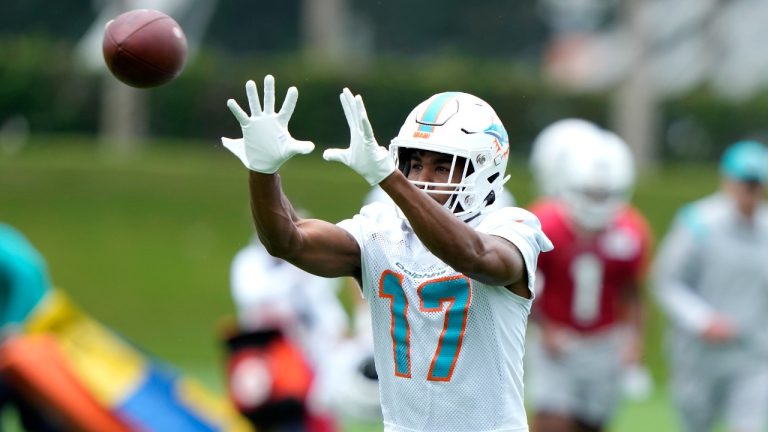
pixel 144 48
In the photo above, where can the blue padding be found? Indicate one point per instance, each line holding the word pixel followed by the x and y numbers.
pixel 155 406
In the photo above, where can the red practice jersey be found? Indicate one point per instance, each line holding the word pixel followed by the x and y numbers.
pixel 583 277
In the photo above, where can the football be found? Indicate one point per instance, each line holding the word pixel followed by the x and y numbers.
pixel 144 48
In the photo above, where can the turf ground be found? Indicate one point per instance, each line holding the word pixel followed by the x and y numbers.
pixel 144 243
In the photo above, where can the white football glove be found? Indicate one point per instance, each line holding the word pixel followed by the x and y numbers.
pixel 364 154
pixel 266 143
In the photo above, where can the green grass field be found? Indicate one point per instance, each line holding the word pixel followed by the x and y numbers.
pixel 144 243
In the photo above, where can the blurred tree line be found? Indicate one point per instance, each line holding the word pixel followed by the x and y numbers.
pixel 489 48
pixel 490 28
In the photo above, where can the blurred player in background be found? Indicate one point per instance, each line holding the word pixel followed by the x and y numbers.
pixel 66 371
pixel 589 315
pixel 449 285
pixel 293 320
pixel 283 308
pixel 711 278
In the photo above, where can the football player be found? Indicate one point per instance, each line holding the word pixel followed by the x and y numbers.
pixel 710 278
pixel 589 314
pixel 287 316
pixel 449 284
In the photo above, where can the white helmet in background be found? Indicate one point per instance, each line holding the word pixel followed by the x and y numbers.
pixel 549 147
pixel 597 181
pixel 464 126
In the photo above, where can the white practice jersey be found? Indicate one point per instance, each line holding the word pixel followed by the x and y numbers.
pixel 448 349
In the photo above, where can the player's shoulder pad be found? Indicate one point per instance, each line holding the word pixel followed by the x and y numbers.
pixel 512 214
pixel 378 211
pixel 699 216
pixel 635 219
pixel 518 220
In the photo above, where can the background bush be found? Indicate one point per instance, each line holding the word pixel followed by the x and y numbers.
pixel 43 83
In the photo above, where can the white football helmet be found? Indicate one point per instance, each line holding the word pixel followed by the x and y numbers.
pixel 547 152
pixel 464 126
pixel 597 181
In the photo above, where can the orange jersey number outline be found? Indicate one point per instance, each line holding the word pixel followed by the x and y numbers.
pixel 452 294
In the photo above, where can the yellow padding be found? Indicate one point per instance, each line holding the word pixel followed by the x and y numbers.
pixel 107 365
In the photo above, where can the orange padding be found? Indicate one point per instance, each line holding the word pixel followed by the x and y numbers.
pixel 37 368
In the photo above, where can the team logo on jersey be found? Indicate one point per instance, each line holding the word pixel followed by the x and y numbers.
pixel 420 275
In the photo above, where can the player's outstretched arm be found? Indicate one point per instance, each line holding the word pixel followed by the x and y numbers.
pixel 313 245
pixel 317 246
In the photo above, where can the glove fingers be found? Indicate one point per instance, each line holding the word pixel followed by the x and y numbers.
pixel 360 106
pixel 363 115
pixel 301 147
pixel 253 97
pixel 353 105
pixel 365 124
pixel 286 111
pixel 269 94
pixel 238 112
pixel 349 112
pixel 336 155
pixel 367 131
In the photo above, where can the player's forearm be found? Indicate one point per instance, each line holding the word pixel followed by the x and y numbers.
pixel 273 215
pixel 636 320
pixel 634 306
pixel 446 236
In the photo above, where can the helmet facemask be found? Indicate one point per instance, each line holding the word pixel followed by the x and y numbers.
pixel 457 192
pixel 477 186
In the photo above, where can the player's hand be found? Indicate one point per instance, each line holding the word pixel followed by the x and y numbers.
pixel 364 154
pixel 632 350
pixel 636 382
pixel 555 341
pixel 266 143
pixel 719 330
